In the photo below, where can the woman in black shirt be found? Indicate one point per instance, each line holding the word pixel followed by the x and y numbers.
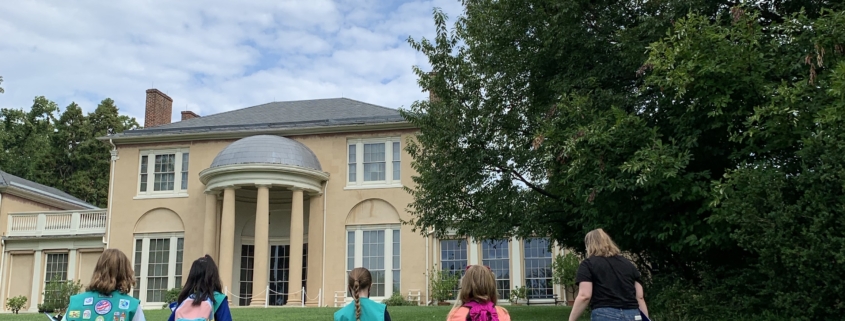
pixel 608 282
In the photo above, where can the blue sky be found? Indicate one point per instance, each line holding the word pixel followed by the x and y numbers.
pixel 213 56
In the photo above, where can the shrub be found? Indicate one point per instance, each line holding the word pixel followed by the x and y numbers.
pixel 442 284
pixel 518 293
pixel 15 304
pixel 564 268
pixel 171 296
pixel 57 295
pixel 397 300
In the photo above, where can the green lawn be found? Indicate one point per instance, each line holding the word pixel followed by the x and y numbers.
pixel 534 313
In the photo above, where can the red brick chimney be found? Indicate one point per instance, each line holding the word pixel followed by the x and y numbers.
pixel 159 109
pixel 189 114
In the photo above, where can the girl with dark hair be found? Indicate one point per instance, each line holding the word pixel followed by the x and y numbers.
pixel 362 309
pixel 201 297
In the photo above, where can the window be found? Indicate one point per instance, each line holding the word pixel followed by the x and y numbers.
pixel 374 163
pixel 396 273
pixel 185 157
pixel 396 165
pixel 278 270
pixel 353 173
pixel 453 257
pixel 495 255
pixel 137 269
pixel 55 271
pixel 247 266
pixel 157 269
pixel 158 265
pixel 377 249
pixel 163 173
pixel 538 268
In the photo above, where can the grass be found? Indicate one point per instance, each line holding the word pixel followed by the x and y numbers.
pixel 535 313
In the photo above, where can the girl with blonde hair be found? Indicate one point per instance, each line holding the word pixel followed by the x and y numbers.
pixel 477 297
pixel 362 308
pixel 608 282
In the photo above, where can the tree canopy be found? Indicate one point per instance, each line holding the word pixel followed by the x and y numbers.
pixel 63 151
pixel 704 136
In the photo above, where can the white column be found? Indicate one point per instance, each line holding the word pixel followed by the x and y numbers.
pixel 516 263
pixel 71 265
pixel 388 263
pixel 473 251
pixel 37 273
pixel 4 260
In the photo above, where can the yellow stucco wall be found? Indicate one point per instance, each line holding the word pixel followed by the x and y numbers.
pixel 19 276
pixel 331 151
pixel 86 261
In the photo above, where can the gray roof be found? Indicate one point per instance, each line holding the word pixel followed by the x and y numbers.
pixel 9 180
pixel 267 149
pixel 317 112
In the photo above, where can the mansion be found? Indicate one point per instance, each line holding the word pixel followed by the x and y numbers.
pixel 285 196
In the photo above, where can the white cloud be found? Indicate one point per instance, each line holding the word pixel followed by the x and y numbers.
pixel 212 56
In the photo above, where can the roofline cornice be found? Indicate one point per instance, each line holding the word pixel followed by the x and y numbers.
pixel 55 201
pixel 237 134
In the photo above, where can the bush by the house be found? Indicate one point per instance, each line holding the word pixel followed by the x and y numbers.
pixel 397 300
pixel 15 304
pixel 57 295
pixel 518 293
pixel 171 296
pixel 442 284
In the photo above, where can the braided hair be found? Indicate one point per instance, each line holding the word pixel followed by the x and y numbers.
pixel 359 279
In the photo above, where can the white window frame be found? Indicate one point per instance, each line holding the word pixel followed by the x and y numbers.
pixel 177 176
pixel 359 255
pixel 359 183
pixel 145 260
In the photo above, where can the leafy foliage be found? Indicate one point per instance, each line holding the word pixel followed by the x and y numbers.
pixel 15 304
pixel 442 284
pixel 704 136
pixel 57 295
pixel 564 268
pixel 398 300
pixel 518 293
pixel 62 152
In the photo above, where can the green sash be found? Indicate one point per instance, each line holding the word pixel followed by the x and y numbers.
pixel 93 306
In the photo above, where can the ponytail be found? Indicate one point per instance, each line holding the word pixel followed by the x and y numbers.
pixel 359 279
pixel 355 288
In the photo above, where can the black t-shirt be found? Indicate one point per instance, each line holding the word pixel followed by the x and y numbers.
pixel 613 281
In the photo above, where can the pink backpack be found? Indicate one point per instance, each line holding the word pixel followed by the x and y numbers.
pixel 187 311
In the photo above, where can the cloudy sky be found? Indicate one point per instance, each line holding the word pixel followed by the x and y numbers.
pixel 213 56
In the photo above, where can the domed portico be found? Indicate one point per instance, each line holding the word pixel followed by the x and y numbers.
pixel 263 163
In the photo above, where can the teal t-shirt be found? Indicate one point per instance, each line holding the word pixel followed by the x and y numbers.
pixel 370 311
pixel 94 306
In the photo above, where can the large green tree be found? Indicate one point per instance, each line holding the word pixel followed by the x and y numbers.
pixel 63 151
pixel 664 122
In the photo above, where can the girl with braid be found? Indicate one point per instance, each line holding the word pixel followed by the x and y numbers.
pixel 362 309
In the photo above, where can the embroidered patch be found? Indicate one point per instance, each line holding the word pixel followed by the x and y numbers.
pixel 73 314
pixel 117 316
pixel 100 318
pixel 123 316
pixel 86 315
pixel 102 307
pixel 123 305
pixel 88 301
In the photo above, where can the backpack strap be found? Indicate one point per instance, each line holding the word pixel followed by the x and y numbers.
pixel 219 298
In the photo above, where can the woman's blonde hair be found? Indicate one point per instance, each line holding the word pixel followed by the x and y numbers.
pixel 113 272
pixel 479 285
pixel 600 244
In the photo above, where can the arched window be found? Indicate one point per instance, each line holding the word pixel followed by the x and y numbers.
pixel 373 240
pixel 159 242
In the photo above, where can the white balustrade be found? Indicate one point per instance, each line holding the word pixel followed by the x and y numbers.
pixel 57 223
